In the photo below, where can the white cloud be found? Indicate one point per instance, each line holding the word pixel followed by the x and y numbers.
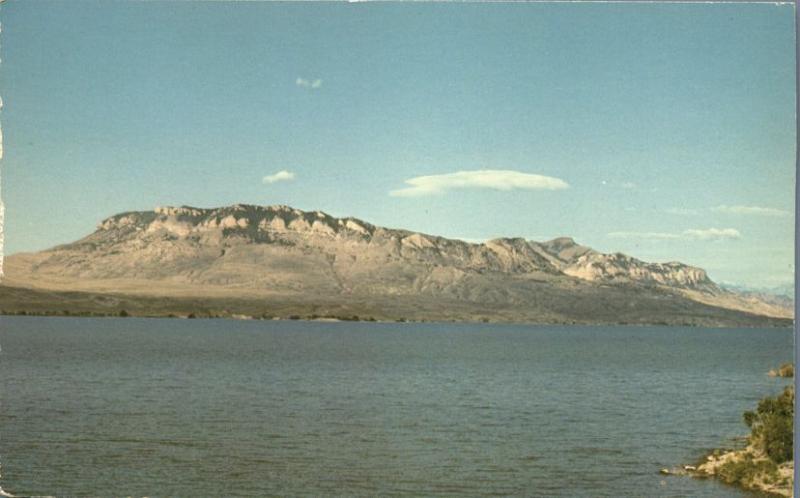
pixel 485 178
pixel 644 235
pixel 750 210
pixel 712 234
pixel 690 234
pixel 682 211
pixel 280 176
pixel 313 84
pixel 629 185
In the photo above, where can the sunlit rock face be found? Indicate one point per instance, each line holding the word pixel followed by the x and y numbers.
pixel 619 267
pixel 243 251
pixel 281 239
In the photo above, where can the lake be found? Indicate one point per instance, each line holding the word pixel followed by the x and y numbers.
pixel 169 407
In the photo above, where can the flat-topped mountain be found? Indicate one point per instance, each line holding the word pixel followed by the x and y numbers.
pixel 277 257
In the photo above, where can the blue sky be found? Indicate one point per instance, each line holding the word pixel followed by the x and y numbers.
pixel 665 131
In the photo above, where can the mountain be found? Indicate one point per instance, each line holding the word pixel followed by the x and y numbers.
pixel 280 261
pixel 780 291
pixel 781 296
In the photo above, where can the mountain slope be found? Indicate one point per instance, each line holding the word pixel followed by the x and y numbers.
pixel 277 253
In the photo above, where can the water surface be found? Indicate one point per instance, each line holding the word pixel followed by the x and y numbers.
pixel 151 407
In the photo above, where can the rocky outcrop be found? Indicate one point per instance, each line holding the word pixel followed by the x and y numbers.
pixel 618 267
pixel 750 469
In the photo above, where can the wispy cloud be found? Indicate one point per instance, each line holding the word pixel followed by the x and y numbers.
pixel 712 234
pixel 644 235
pixel 311 84
pixel 690 234
pixel 628 185
pixel 750 210
pixel 485 178
pixel 682 211
pixel 280 176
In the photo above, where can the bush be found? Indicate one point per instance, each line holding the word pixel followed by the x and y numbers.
pixel 771 425
pixel 745 470
pixel 785 370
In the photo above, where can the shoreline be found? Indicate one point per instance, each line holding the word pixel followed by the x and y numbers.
pixel 370 319
pixel 766 462
pixel 557 306
pixel 768 477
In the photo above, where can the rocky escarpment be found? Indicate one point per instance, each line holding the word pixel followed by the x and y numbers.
pixel 142 242
pixel 279 250
pixel 621 268
pixel 292 227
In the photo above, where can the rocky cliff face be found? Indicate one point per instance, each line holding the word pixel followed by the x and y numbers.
pixel 621 268
pixel 281 250
pixel 173 233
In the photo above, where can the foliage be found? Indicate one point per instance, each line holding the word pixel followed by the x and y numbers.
pixel 745 470
pixel 771 425
pixel 785 370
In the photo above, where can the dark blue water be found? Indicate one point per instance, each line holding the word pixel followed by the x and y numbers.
pixel 147 407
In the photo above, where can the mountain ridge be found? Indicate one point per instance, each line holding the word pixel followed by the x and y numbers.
pixel 247 250
pixel 563 253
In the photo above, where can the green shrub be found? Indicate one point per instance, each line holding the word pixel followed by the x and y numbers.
pixel 771 425
pixel 745 470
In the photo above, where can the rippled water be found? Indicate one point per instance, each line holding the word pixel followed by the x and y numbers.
pixel 149 407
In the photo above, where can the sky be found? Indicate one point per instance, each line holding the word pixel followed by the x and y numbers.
pixel 664 131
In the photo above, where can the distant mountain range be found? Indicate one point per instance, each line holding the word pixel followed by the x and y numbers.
pixel 780 296
pixel 785 290
pixel 276 261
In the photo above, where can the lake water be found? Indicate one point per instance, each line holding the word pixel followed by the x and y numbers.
pixel 151 407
